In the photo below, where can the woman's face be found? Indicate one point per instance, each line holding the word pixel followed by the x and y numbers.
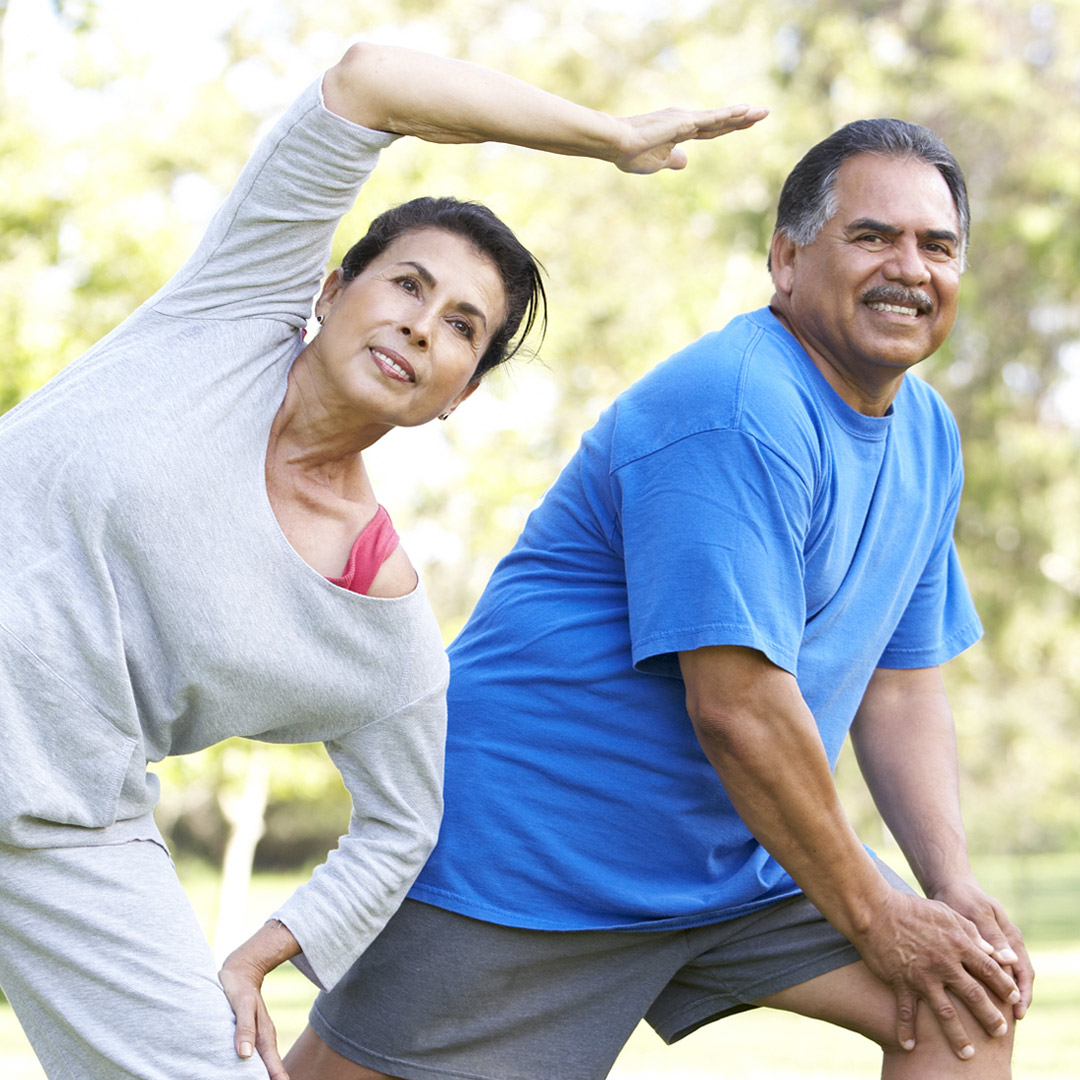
pixel 402 339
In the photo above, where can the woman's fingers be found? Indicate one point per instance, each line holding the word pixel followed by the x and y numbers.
pixel 243 999
pixel 652 140
pixel 266 1044
pixel 255 1031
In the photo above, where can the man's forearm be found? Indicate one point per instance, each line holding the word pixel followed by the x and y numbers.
pixel 905 743
pixel 762 740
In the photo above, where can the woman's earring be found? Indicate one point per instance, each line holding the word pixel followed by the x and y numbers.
pixel 319 319
pixel 445 415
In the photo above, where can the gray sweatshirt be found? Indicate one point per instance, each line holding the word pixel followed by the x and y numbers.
pixel 149 603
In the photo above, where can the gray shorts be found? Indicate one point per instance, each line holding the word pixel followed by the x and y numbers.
pixel 440 996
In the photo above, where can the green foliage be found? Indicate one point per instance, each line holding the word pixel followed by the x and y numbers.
pixel 95 217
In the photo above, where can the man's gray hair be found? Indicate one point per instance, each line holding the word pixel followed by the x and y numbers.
pixel 808 199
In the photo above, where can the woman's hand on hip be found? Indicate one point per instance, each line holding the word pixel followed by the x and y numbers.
pixel 241 978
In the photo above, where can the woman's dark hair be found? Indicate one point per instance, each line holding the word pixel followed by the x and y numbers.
pixel 808 199
pixel 519 271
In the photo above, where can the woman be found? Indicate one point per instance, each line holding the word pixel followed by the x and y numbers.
pixel 175 502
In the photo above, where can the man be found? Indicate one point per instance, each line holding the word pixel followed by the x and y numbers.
pixel 750 554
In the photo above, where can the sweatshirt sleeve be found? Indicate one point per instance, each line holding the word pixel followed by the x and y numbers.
pixel 266 249
pixel 393 770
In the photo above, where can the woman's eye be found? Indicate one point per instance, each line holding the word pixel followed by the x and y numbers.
pixel 464 328
pixel 409 284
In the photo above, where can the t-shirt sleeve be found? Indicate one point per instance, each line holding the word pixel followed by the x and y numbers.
pixel 940 620
pixel 266 248
pixel 713 530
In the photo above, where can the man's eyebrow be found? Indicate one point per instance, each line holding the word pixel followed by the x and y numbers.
pixel 870 225
pixel 942 234
pixel 426 276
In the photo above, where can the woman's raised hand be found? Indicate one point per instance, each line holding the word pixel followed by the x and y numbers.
pixel 449 101
pixel 652 139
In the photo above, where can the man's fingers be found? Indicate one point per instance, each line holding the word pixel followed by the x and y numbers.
pixel 906 1004
pixel 999 948
pixel 1025 982
pixel 995 978
pixel 948 1017
pixel 982 1007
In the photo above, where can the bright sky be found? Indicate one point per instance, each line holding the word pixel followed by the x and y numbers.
pixel 36 44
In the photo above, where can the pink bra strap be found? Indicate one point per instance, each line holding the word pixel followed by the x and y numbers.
pixel 370 550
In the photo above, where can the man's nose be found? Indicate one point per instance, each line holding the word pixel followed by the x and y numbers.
pixel 906 263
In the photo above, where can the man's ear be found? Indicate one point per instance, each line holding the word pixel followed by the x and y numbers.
pixel 331 290
pixel 782 255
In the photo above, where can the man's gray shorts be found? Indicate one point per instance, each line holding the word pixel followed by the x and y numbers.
pixel 441 996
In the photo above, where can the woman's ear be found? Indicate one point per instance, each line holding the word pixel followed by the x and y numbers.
pixel 331 290
pixel 463 396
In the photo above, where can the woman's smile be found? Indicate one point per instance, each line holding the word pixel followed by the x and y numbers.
pixel 393 364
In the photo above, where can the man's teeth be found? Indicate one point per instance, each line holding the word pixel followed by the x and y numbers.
pixel 877 306
pixel 392 363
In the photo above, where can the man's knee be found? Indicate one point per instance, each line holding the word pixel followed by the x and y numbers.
pixel 851 997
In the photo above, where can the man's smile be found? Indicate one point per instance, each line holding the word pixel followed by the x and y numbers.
pixel 899 301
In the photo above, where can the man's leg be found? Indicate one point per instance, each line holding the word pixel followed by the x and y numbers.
pixel 439 996
pixel 853 998
pixel 107 969
pixel 788 957
pixel 311 1059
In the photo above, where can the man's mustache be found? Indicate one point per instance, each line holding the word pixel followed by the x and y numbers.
pixel 901 297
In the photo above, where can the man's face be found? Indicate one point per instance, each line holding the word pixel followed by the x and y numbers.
pixel 876 292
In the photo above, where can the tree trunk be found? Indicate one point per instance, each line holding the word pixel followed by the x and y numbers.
pixel 245 811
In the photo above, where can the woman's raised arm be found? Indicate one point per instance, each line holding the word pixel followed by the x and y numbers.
pixel 450 101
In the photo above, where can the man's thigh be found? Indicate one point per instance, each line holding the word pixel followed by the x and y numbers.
pixel 733 965
pixel 439 996
pixel 107 969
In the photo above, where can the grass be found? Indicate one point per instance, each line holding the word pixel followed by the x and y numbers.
pixel 1040 891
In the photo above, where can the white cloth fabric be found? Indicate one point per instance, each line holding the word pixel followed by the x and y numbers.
pixel 149 603
pixel 92 1008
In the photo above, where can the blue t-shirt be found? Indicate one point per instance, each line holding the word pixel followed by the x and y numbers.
pixel 730 497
